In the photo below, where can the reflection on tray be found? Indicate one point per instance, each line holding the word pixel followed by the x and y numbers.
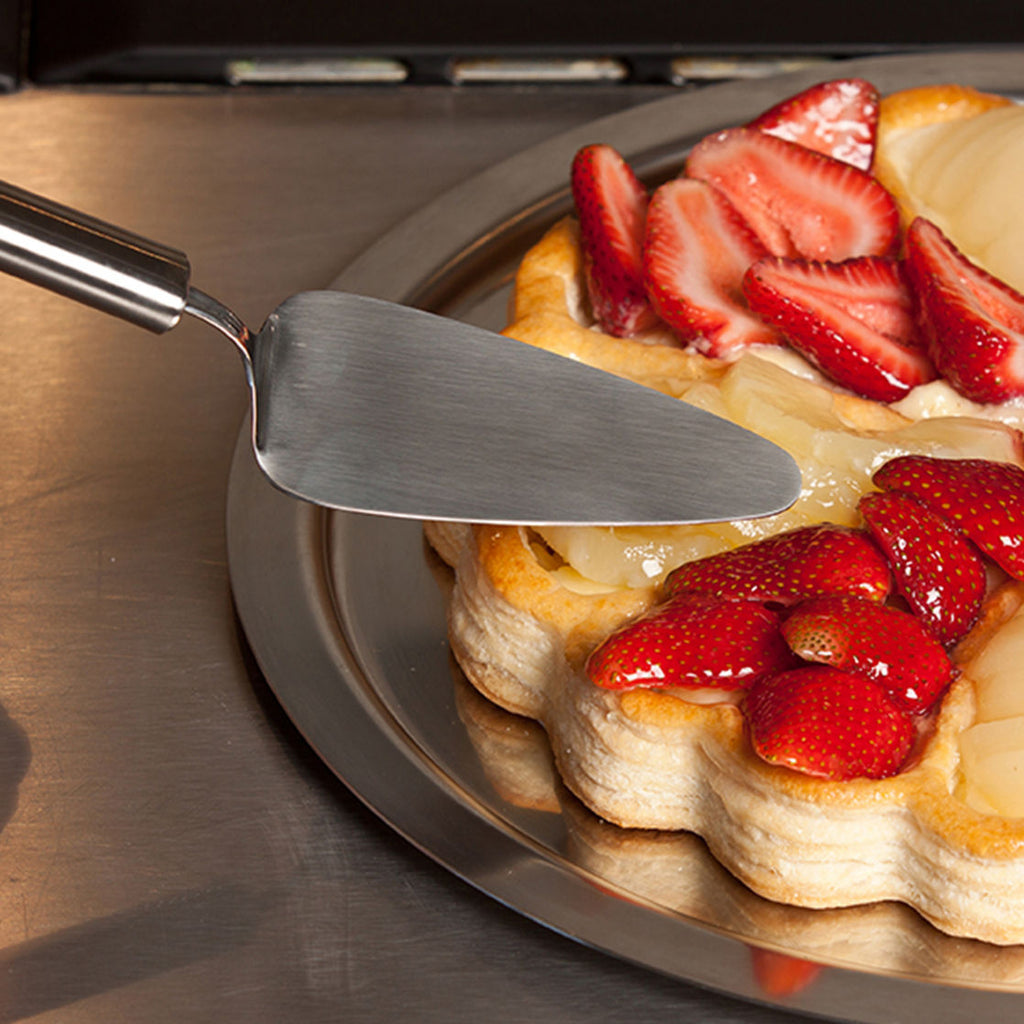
pixel 675 871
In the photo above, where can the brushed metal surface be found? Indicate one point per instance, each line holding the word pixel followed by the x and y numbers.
pixel 346 615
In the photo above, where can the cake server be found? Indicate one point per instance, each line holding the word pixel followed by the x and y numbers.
pixel 370 406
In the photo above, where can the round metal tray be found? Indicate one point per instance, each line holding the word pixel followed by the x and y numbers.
pixel 346 617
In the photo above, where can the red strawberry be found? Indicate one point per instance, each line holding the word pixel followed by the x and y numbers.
pixel 799 202
pixel 787 567
pixel 695 252
pixel 694 641
pixel 983 499
pixel 829 723
pixel 611 204
pixel 854 320
pixel 779 974
pixel 837 118
pixel 889 646
pixel 935 568
pixel 973 323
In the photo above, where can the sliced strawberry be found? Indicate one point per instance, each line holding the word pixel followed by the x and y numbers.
pixel 799 202
pixel 838 118
pixel 973 323
pixel 854 320
pixel 825 722
pixel 694 641
pixel 787 567
pixel 696 250
pixel 611 204
pixel 938 572
pixel 891 647
pixel 983 499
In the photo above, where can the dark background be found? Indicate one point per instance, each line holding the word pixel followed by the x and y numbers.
pixel 75 41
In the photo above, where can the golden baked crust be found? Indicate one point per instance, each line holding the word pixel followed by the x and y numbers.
pixel 646 759
pixel 910 109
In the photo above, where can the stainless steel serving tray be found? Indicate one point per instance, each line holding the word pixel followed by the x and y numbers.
pixel 345 615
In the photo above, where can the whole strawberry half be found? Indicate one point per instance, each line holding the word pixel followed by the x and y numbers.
pixel 972 322
pixel 935 568
pixel 891 647
pixel 694 641
pixel 799 202
pixel 982 499
pixel 788 567
pixel 838 118
pixel 611 204
pixel 854 320
pixel 825 722
pixel 696 250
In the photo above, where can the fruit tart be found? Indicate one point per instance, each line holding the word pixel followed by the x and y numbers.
pixel 828 696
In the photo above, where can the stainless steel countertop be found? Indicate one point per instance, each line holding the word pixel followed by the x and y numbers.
pixel 170 849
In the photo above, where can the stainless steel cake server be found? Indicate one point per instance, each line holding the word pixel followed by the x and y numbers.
pixel 371 406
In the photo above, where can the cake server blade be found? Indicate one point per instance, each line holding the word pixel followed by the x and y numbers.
pixel 371 406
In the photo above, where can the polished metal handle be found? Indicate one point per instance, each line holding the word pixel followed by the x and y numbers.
pixel 90 261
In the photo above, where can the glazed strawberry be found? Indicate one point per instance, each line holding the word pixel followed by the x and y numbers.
pixel 935 568
pixel 982 499
pixel 696 250
pixel 788 567
pixel 838 118
pixel 825 722
pixel 611 204
pixel 854 320
pixel 973 323
pixel 891 647
pixel 799 202
pixel 694 641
